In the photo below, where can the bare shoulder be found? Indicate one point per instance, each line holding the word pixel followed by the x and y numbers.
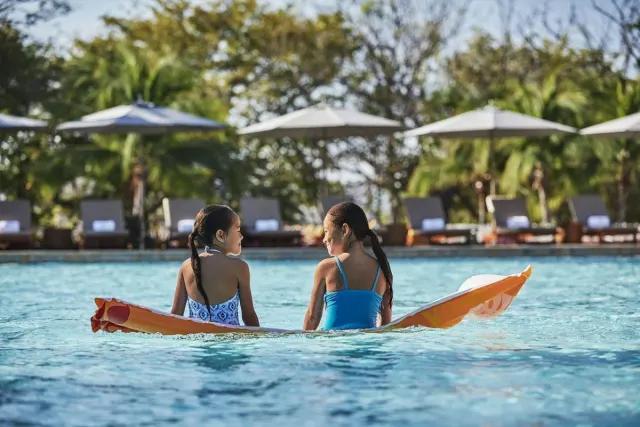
pixel 186 265
pixel 239 264
pixel 325 265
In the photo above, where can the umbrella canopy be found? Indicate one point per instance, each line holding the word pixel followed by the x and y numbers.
pixel 322 121
pixel 490 122
pixel 141 118
pixel 14 123
pixel 623 127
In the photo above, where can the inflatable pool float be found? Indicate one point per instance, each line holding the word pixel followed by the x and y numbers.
pixel 482 296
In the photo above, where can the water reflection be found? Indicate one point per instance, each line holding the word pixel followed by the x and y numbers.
pixel 223 357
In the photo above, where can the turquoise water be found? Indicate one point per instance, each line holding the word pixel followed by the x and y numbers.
pixel 567 352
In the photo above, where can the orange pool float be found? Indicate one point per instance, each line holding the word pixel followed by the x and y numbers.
pixel 479 296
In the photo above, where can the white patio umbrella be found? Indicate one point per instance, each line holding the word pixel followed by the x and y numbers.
pixel 490 122
pixel 623 127
pixel 322 122
pixel 139 118
pixel 14 123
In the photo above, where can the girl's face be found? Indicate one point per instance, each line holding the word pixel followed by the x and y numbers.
pixel 335 238
pixel 231 241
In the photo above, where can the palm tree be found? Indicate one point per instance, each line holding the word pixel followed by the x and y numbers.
pixel 531 163
pixel 108 74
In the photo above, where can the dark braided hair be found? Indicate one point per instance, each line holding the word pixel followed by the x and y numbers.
pixel 352 214
pixel 208 221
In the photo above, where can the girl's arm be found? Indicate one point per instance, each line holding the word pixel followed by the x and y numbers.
pixel 314 311
pixel 249 316
pixel 385 309
pixel 180 295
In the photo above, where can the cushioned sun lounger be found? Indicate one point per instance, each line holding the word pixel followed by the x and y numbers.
pixel 428 223
pixel 512 223
pixel 590 212
pixel 179 216
pixel 15 224
pixel 262 223
pixel 103 224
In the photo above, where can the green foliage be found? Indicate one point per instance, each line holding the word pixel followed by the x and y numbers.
pixel 555 82
pixel 242 61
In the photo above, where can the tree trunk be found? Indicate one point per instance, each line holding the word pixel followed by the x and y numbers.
pixel 537 183
pixel 542 198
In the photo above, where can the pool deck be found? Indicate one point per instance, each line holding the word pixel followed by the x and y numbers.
pixel 316 253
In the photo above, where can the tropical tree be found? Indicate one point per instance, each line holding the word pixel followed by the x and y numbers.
pixel 389 75
pixel 112 71
pixel 254 61
pixel 28 78
pixel 619 158
pixel 552 81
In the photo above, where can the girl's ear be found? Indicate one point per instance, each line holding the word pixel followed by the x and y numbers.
pixel 221 235
pixel 346 230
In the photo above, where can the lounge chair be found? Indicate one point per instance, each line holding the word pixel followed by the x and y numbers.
pixel 329 201
pixel 428 223
pixel 103 224
pixel 179 215
pixel 591 213
pixel 15 224
pixel 262 224
pixel 512 224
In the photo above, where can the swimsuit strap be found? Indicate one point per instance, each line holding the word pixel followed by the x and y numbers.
pixel 375 279
pixel 343 275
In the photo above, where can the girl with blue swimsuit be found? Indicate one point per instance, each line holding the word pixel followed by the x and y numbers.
pixel 212 285
pixel 353 288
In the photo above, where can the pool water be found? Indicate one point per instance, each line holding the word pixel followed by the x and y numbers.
pixel 567 352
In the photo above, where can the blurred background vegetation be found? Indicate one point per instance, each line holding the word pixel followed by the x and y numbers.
pixel 235 61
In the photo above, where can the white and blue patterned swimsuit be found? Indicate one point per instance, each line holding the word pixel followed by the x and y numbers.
pixel 225 313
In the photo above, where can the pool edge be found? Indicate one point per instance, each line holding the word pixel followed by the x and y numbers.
pixel 316 253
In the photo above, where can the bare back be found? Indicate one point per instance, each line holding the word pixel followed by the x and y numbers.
pixel 359 268
pixel 220 278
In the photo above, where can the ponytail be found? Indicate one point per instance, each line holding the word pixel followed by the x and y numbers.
pixel 383 262
pixel 352 214
pixel 195 265
pixel 208 221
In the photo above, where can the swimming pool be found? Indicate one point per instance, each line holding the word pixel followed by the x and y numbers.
pixel 566 352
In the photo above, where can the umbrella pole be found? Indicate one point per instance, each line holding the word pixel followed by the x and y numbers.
pixel 492 178
pixel 143 230
pixel 324 191
pixel 479 188
pixel 320 177
pixel 139 177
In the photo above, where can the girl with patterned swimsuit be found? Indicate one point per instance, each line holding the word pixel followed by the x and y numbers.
pixel 212 285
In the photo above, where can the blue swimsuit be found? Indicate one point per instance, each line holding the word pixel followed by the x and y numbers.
pixel 352 308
